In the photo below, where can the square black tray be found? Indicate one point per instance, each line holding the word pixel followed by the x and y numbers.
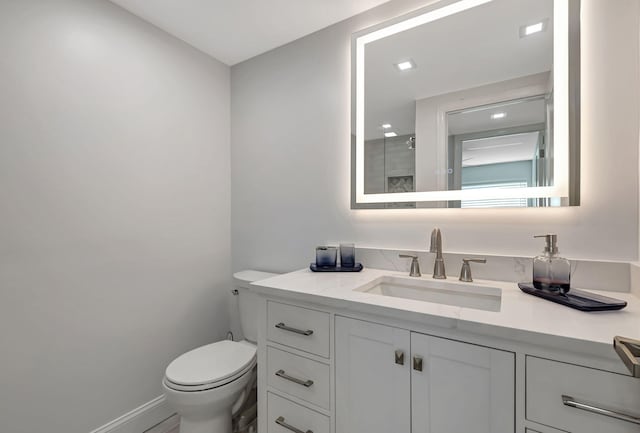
pixel 576 298
pixel 356 268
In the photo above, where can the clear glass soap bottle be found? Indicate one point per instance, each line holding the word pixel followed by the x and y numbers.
pixel 550 271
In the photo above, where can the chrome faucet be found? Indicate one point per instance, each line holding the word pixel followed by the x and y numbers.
pixel 436 247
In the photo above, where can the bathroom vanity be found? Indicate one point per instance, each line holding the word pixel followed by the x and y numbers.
pixel 378 351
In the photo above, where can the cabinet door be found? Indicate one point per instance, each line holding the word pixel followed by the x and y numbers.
pixel 372 383
pixel 461 388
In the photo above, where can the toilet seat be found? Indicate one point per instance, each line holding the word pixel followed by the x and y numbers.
pixel 206 386
pixel 210 366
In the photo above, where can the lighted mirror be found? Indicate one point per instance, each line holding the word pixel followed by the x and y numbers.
pixel 471 103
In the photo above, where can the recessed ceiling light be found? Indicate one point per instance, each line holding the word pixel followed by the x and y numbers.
pixel 496 116
pixel 390 134
pixel 406 65
pixel 386 125
pixel 531 29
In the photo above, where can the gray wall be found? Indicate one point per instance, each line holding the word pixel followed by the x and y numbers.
pixel 290 156
pixel 114 210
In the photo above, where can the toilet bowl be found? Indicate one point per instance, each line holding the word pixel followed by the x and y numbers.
pixel 205 384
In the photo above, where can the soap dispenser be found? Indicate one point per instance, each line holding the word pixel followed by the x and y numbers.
pixel 550 271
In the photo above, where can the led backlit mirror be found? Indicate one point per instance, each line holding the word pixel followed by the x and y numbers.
pixel 471 103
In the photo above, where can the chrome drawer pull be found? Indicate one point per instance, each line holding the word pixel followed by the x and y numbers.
pixel 282 374
pixel 280 421
pixel 290 329
pixel 629 351
pixel 571 402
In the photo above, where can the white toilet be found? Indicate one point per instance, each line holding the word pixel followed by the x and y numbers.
pixel 207 384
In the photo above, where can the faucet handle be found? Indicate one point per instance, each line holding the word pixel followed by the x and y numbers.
pixel 415 265
pixel 465 272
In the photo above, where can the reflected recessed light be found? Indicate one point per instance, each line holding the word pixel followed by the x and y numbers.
pixel 531 29
pixel 406 65
pixel 386 125
pixel 496 116
pixel 390 134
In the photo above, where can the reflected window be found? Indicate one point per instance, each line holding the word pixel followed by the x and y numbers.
pixel 496 202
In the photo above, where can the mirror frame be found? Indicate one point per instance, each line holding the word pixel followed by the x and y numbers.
pixel 566 118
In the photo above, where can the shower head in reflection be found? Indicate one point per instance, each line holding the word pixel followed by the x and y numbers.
pixel 411 142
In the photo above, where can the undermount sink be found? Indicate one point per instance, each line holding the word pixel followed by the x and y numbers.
pixel 466 295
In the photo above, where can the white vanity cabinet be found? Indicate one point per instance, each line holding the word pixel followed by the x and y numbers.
pixel 394 380
pixel 327 365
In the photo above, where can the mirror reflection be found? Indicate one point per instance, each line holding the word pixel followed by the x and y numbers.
pixel 464 102
pixel 515 155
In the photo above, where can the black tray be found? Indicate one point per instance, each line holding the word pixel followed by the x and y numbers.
pixel 576 298
pixel 356 268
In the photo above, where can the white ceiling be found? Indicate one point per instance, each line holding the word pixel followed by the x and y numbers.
pixel 235 30
pixel 517 113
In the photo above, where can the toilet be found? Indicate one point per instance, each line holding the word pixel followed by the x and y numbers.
pixel 206 385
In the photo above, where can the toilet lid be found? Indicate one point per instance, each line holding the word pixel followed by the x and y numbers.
pixel 211 363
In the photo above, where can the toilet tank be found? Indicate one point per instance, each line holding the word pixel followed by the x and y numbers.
pixel 248 301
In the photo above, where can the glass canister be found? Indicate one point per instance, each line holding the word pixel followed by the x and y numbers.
pixel 326 256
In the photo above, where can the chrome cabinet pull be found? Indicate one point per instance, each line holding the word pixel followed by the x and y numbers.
pixel 571 402
pixel 294 330
pixel 629 351
pixel 282 374
pixel 417 363
pixel 399 357
pixel 280 421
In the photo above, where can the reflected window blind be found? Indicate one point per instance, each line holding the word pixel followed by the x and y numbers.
pixel 495 202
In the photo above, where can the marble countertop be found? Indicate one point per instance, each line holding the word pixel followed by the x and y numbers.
pixel 521 317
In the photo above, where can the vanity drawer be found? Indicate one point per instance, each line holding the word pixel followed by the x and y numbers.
pixel 284 416
pixel 299 376
pixel 297 327
pixel 548 381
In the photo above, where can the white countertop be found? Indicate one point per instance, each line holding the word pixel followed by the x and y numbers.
pixel 520 315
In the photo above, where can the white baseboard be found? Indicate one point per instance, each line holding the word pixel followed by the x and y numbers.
pixel 139 419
